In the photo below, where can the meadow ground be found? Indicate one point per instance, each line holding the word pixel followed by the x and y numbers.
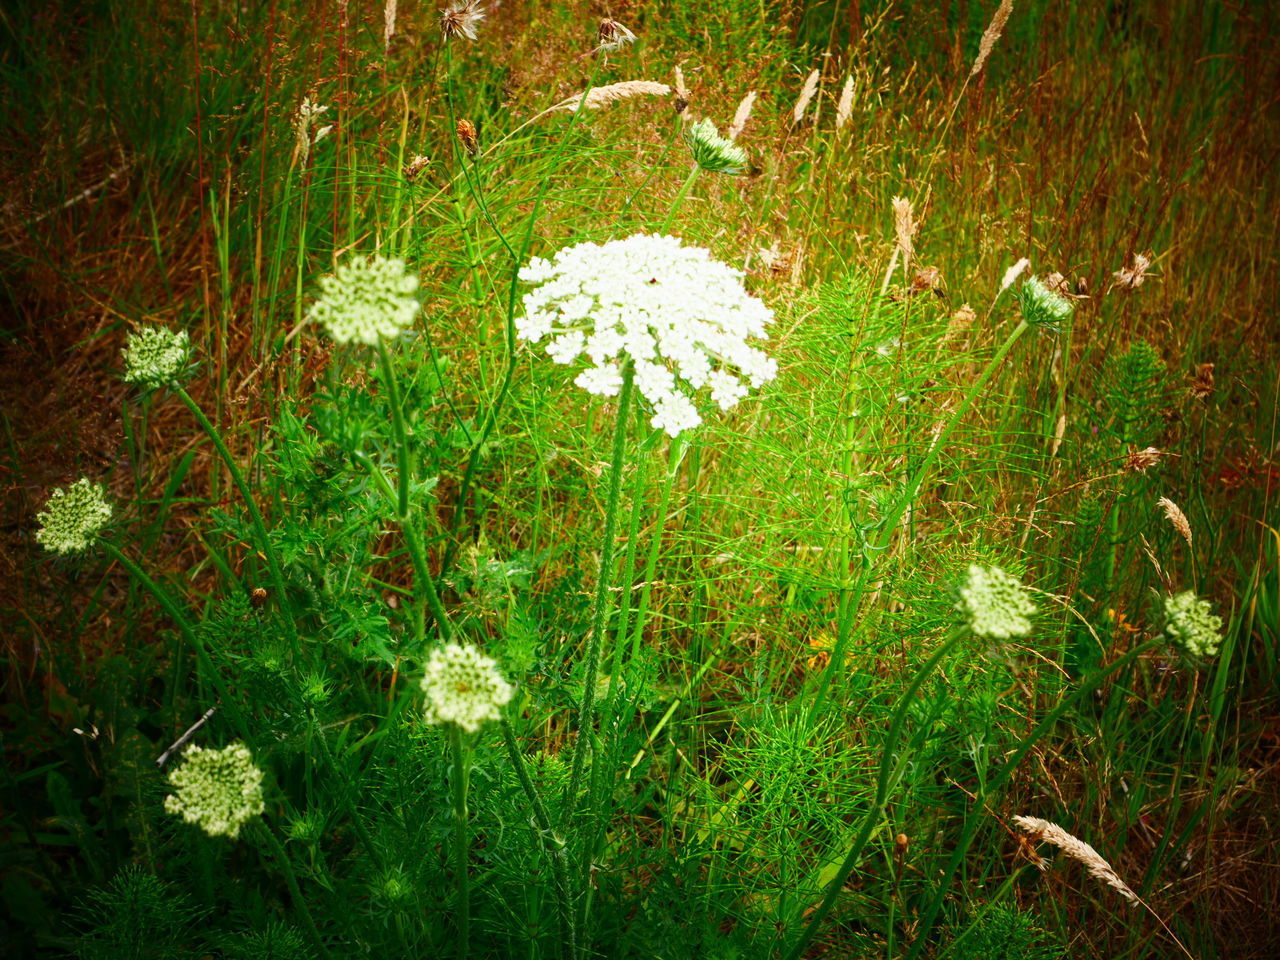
pixel 911 592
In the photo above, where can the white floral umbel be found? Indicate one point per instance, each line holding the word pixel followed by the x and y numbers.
pixel 995 604
pixel 681 317
pixel 366 301
pixel 1190 624
pixel 217 790
pixel 463 687
pixel 73 517
pixel 154 356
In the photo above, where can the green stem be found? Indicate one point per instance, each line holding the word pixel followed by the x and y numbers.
pixel 255 516
pixel 461 838
pixel 680 197
pixel 679 446
pixel 552 842
pixel 291 878
pixel 882 790
pixel 616 464
pixel 188 634
pixel 888 527
pixel 404 457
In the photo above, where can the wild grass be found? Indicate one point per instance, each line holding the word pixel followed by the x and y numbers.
pixel 792 745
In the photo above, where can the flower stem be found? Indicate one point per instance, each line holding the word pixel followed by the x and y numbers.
pixel 404 457
pixel 553 843
pixel 461 838
pixel 291 878
pixel 678 202
pixel 255 516
pixel 188 634
pixel 616 464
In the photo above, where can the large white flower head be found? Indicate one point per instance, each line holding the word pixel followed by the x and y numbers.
pixel 681 317
pixel 1190 625
pixel 995 604
pixel 154 356
pixel 366 300
pixel 1042 307
pixel 73 517
pixel 217 790
pixel 463 686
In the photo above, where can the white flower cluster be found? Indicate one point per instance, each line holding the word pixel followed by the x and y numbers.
pixel 217 790
pixel 365 301
pixel 73 517
pixel 1190 625
pixel 712 152
pixel 155 356
pixel 463 686
pixel 995 604
pixel 1042 307
pixel 682 318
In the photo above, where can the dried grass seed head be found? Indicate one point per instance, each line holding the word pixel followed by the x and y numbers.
pixel 611 35
pixel 598 97
pixel 806 95
pixel 742 115
pixel 989 36
pixel 1077 850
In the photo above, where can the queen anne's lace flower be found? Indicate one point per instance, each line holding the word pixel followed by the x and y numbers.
pixel 217 790
pixel 995 604
pixel 1042 307
pixel 154 356
pixel 365 301
pixel 73 517
pixel 1190 625
pixel 712 152
pixel 463 686
pixel 682 318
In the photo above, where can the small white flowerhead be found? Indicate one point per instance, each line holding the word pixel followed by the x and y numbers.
pixel 366 301
pixel 995 604
pixel 73 517
pixel 681 318
pixel 463 687
pixel 155 356
pixel 219 791
pixel 1190 625
pixel 1042 307
pixel 712 152
pixel 460 18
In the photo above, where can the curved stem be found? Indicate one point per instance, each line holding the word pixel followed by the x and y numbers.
pixel 461 838
pixel 404 457
pixel 255 515
pixel 291 878
pixel 188 634
pixel 678 202
pixel 599 615
pixel 552 842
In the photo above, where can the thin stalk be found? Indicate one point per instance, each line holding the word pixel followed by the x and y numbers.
pixel 678 202
pixel 616 464
pixel 291 878
pixel 552 842
pixel 404 457
pixel 188 634
pixel 255 516
pixel 679 446
pixel 888 527
pixel 882 789
pixel 461 838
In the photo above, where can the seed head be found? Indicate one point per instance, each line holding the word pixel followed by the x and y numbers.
pixel 468 137
pixel 217 790
pixel 73 517
pixel 1134 276
pixel 366 301
pixel 155 356
pixel 1202 383
pixel 463 687
pixel 1190 625
pixel 460 18
pixel 995 604
pixel 611 35
pixel 712 152
pixel 1041 307
pixel 1139 461
pixel 844 108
